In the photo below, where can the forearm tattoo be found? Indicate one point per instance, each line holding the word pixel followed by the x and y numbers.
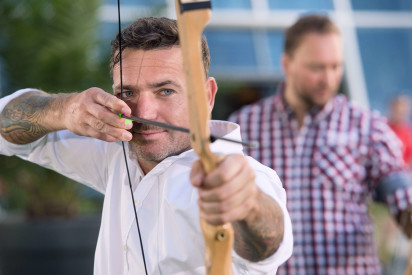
pixel 261 238
pixel 21 119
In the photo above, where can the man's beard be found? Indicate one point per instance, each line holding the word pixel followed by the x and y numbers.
pixel 309 102
pixel 173 145
pixel 309 99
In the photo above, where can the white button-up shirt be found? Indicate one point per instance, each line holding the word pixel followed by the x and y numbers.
pixel 165 201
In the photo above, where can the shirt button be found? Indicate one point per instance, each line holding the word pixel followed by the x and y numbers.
pixel 124 247
pixel 137 202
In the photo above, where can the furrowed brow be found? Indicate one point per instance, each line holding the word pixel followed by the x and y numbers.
pixel 117 89
pixel 164 83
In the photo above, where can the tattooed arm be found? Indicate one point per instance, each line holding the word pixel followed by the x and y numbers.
pixel 26 118
pixel 89 113
pixel 229 194
pixel 260 235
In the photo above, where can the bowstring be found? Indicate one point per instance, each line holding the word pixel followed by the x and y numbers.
pixel 123 144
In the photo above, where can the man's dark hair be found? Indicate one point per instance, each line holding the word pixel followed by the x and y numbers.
pixel 319 24
pixel 151 33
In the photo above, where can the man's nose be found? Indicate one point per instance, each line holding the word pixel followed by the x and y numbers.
pixel 146 106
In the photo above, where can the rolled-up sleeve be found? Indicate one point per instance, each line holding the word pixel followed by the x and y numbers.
pixel 87 156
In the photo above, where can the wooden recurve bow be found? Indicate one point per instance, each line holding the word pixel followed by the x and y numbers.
pixel 192 17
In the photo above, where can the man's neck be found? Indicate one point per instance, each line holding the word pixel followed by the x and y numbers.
pixel 299 108
pixel 147 166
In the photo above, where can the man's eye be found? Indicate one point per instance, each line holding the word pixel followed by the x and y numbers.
pixel 127 94
pixel 167 92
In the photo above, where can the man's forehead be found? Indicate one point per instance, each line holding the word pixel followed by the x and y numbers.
pixel 319 47
pixel 171 57
pixel 319 40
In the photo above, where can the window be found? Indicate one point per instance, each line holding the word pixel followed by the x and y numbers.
pixel 231 50
pixel 276 49
pixel 387 63
pixel 231 4
pixel 385 5
pixel 301 4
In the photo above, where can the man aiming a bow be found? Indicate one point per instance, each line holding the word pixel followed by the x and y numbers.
pixel 79 135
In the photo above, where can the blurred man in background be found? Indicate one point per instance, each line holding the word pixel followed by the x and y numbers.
pixel 332 156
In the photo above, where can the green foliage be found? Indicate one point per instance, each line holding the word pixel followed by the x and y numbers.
pixel 42 192
pixel 52 45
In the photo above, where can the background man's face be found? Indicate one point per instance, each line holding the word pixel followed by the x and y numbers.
pixel 315 69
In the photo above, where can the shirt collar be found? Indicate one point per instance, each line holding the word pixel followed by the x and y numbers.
pixel 228 130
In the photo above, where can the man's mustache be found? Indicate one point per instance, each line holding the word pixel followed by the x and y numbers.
pixel 137 127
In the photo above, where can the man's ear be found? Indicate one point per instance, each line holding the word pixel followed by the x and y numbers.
pixel 211 90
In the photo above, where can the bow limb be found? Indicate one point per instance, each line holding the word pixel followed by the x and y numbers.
pixel 192 17
pixel 409 268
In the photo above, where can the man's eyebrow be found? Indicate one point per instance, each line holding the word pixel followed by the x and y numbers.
pixel 163 83
pixel 125 87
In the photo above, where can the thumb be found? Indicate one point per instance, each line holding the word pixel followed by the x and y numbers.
pixel 197 174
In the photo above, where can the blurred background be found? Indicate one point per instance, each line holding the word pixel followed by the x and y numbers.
pixel 64 45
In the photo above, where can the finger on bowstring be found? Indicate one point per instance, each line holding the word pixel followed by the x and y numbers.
pixel 112 102
pixel 103 128
pixel 110 118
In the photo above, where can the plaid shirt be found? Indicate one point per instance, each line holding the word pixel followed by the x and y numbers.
pixel 329 168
